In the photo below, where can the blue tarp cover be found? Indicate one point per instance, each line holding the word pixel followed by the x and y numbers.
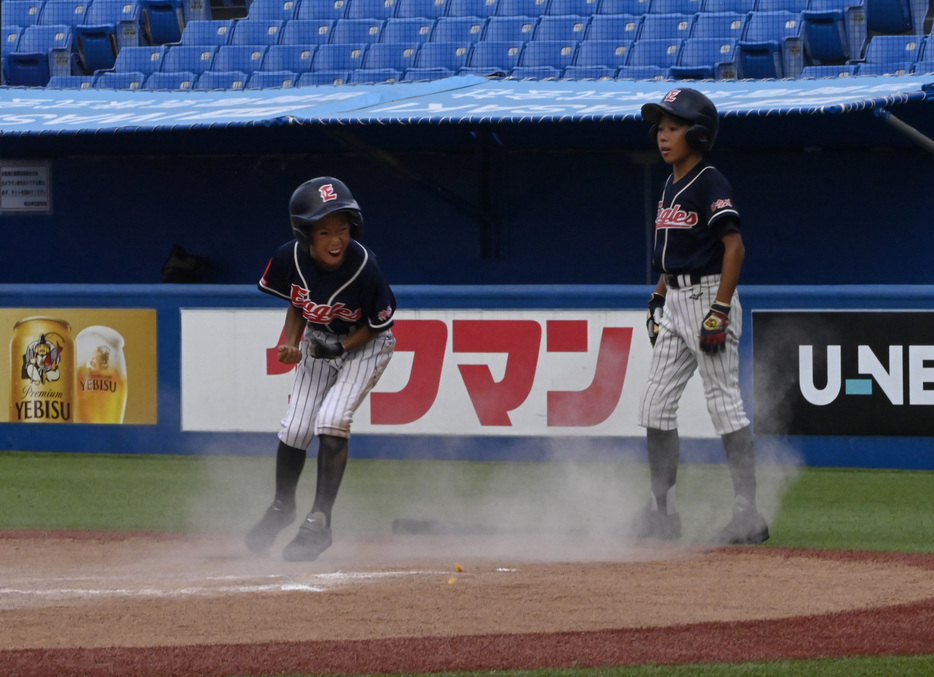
pixel 463 99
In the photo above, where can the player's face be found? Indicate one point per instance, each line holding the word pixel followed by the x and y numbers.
pixel 671 140
pixel 330 238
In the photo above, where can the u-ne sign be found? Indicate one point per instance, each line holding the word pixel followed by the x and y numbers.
pixel 454 372
pixel 843 373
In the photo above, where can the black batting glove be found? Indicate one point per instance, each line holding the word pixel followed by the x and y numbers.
pixel 713 330
pixel 654 316
pixel 326 351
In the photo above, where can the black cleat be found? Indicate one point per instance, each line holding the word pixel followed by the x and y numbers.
pixel 650 523
pixel 278 516
pixel 314 537
pixel 747 527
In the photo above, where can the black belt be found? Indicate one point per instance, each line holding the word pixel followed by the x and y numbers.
pixel 684 280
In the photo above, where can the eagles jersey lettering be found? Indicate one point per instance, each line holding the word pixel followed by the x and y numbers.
pixel 335 301
pixel 693 215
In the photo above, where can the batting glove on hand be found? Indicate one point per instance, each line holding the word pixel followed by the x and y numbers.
pixel 713 330
pixel 326 351
pixel 654 316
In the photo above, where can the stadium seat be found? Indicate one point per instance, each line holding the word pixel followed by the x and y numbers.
pixel 242 58
pixel 212 32
pixel 307 32
pixel 614 27
pixel 838 71
pixel 127 80
pixel 373 76
pixel 272 79
pixel 610 54
pixel 834 31
pixel 589 73
pixel 61 12
pixel 458 29
pixel 272 10
pixel 634 7
pixel 294 58
pixel 738 6
pixel 448 55
pixel 510 28
pixel 494 57
pixel 666 27
pixel 370 9
pixel 424 9
pixel 794 6
pixel 891 55
pixel 41 52
pixel 215 79
pixel 122 16
pixel 320 10
pixel 407 30
pixel 96 47
pixel 71 82
pixel 249 32
pixel 722 25
pixel 889 17
pixel 9 38
pixel 339 57
pixel 145 60
pixel 573 7
pixel 323 78
pixel 163 21
pixel 425 74
pixel 395 55
pixel 21 13
pixel 535 73
pixel 188 58
pixel 353 31
pixel 562 27
pixel 923 67
pixel 705 59
pixel 533 8
pixel 176 80
pixel 650 59
pixel 558 54
pixel 771 47
pixel 675 6
pixel 476 8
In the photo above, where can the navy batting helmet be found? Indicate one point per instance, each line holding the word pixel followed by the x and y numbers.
pixel 315 199
pixel 691 106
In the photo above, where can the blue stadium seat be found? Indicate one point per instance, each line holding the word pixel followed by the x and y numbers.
pixel 71 82
pixel 923 67
pixel 320 10
pixel 772 46
pixel 589 73
pixel 535 73
pixel 272 79
pixel 61 12
pixel 371 9
pixel 650 59
pixel 477 8
pixel 294 58
pixel 323 78
pixel 374 76
pixel 353 31
pixel 557 54
pixel 145 60
pixel 416 29
pixel 188 58
pixel 125 14
pixel 9 38
pixel 21 12
pixel 339 57
pixel 211 32
pixel 666 27
pixel 836 71
pixel 494 57
pixel 126 80
pixel 249 32
pixel 610 54
pixel 888 16
pixel 395 55
pixel 459 29
pixel 834 30
pixel 705 59
pixel 41 52
pixel 163 21
pixel 614 27
pixel 307 32
pixel 722 25
pixel 96 47
pixel 738 6
pixel 176 80
pixel 795 6
pixel 272 10
pixel 635 7
pixel 215 79
pixel 242 58
pixel 575 7
pixel 449 55
pixel 425 9
pixel 562 27
pixel 891 55
pixel 521 7
pixel 510 28
pixel 425 74
pixel 676 6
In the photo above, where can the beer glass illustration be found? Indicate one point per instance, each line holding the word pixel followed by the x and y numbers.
pixel 101 384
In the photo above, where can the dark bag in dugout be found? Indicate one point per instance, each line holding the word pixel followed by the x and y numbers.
pixel 184 267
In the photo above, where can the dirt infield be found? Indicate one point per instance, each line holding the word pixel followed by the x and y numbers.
pixel 139 605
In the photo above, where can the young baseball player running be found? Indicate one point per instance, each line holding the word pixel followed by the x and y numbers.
pixel 337 330
pixel 695 318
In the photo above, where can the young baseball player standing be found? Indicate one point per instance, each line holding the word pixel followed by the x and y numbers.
pixel 337 330
pixel 695 318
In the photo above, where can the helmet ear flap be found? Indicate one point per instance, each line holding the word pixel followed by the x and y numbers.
pixel 653 133
pixel 698 137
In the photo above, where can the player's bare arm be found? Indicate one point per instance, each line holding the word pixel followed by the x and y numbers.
pixel 289 352
pixel 359 338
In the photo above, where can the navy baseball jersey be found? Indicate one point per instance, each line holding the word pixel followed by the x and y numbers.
pixel 333 301
pixel 693 215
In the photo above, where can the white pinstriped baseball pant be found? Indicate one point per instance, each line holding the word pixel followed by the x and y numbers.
pixel 326 393
pixel 677 355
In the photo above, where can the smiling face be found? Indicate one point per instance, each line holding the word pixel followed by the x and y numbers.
pixel 673 145
pixel 330 238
